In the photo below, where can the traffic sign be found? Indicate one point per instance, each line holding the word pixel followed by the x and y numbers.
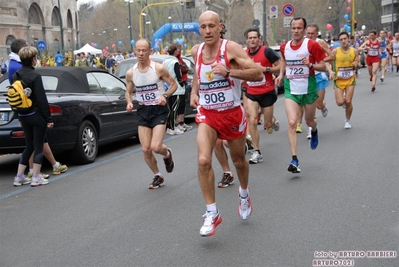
pixel 287 22
pixel 41 45
pixel 288 10
pixel 273 12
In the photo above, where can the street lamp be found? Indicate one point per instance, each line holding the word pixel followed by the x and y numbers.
pixel 130 24
pixel 148 23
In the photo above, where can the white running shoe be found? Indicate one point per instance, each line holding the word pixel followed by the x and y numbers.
pixel 187 127
pixel 245 207
pixel 38 181
pixel 177 131
pixel 211 221
pixel 170 131
pixel 348 125
pixel 21 181
pixel 255 158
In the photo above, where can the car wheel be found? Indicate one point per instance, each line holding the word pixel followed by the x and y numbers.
pixel 87 144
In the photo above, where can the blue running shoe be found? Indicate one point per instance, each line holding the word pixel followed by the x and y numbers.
pixel 314 140
pixel 294 166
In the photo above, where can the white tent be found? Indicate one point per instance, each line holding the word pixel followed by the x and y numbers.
pixel 88 49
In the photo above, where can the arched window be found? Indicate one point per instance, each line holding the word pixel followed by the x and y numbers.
pixel 55 17
pixel 69 19
pixel 9 40
pixel 34 15
pixel 56 46
pixel 68 45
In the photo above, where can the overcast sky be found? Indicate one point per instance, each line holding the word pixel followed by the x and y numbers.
pixel 86 1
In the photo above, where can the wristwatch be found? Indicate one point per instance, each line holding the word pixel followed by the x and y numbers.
pixel 165 95
pixel 311 66
pixel 227 72
pixel 267 69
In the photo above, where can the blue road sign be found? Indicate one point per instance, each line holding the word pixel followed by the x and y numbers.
pixel 288 10
pixel 41 45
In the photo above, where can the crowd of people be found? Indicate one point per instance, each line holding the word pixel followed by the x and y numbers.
pixel 231 87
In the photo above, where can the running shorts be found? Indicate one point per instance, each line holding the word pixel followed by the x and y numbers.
pixel 321 80
pixel 384 55
pixel 264 100
pixel 343 84
pixel 302 100
pixel 370 60
pixel 229 124
pixel 151 116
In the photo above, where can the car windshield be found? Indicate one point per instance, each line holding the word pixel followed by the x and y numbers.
pixel 124 66
pixel 101 83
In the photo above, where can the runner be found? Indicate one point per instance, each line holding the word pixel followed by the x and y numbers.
pixel 372 46
pixel 395 52
pixel 220 65
pixel 148 77
pixel 300 58
pixel 344 65
pixel 384 42
pixel 261 95
pixel 321 77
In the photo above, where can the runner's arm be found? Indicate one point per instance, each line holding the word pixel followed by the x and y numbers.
pixel 246 69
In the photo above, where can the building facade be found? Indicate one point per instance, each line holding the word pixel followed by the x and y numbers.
pixel 54 22
pixel 390 15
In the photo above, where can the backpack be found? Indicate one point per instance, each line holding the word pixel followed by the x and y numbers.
pixel 17 97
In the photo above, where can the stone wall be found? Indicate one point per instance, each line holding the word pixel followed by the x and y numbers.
pixel 14 23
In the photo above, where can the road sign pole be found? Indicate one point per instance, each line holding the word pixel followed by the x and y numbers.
pixel 264 22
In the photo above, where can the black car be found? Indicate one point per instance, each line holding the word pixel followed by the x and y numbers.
pixel 88 108
pixel 126 64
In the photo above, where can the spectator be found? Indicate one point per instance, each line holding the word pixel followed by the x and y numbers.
pixel 77 60
pixel 84 62
pixel 34 120
pixel 109 63
pixel 184 71
pixel 67 61
pixel 15 62
pixel 3 67
pixel 174 102
pixel 58 58
pixel 118 58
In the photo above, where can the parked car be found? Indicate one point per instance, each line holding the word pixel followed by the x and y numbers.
pixel 88 108
pixel 126 64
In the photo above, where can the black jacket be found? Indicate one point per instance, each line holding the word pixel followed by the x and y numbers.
pixel 34 81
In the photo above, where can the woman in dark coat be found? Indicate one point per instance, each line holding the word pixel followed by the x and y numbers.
pixel 34 120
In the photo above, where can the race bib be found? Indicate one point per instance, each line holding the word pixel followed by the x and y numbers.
pixel 148 94
pixel 372 52
pixel 345 73
pixel 254 84
pixel 216 95
pixel 296 70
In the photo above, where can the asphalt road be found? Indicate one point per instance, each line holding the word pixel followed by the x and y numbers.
pixel 344 200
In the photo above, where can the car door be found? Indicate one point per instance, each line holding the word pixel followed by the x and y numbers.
pixel 105 106
pixel 124 123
